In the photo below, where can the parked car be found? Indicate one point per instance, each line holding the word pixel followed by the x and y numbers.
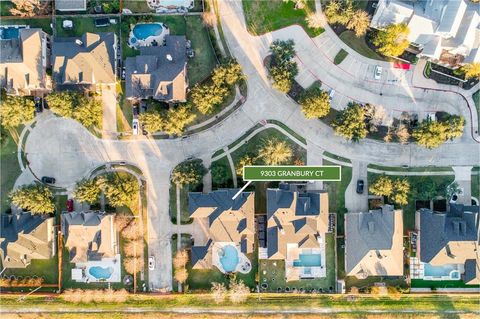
pixel 123 73
pixel 135 126
pixel 331 94
pixel 378 72
pixel 38 105
pixel 70 205
pixel 48 180
pixel 136 110
pixel 151 263
pixel 360 186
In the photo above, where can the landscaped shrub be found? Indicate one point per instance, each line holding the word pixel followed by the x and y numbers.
pixel 282 68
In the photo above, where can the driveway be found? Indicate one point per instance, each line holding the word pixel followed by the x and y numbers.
pixel 357 202
pixel 109 102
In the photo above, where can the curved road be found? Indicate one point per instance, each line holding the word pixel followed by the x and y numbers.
pixel 62 148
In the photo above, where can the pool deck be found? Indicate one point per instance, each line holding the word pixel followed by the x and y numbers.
pixel 114 263
pixel 135 43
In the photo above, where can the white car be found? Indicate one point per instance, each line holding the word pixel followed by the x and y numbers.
pixel 151 262
pixel 331 94
pixel 135 126
pixel 378 72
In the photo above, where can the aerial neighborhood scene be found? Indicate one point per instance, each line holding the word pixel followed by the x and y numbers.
pixel 240 158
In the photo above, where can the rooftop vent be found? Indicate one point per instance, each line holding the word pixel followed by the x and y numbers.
pixel 79 42
pixel 169 57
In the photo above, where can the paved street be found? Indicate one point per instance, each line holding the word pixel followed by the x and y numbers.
pixel 62 148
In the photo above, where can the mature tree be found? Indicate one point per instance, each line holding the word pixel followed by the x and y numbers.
pixel 152 121
pixel 275 152
pixel 37 199
pixel 219 292
pixel 16 110
pixel 207 96
pixel 359 23
pixel 86 110
pixel 87 190
pixel 246 160
pixel 315 103
pixel 401 189
pixel 209 19
pixel 392 40
pixel 63 103
pixel 181 259
pixel 427 190
pixel 133 264
pixel 350 123
pixel 340 12
pixel 176 119
pixel 431 134
pixel 402 133
pixel 112 6
pixel 382 186
pixel 89 113
pixel 374 115
pixel 282 50
pixel 132 231
pixel 220 173
pixel 471 70
pixel 239 292
pixel 454 126
pixel 120 190
pixel 188 173
pixel 282 69
pixel 315 20
pixel 228 73
pixel 29 8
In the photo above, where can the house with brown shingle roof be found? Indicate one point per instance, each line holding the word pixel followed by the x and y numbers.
pixel 296 226
pixel 24 237
pixel 374 243
pixel 88 61
pixel 23 63
pixel 224 221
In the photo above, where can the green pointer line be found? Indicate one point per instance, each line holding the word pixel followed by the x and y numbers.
pixel 292 173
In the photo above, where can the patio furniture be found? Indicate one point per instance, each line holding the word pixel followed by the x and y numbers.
pixel 287 289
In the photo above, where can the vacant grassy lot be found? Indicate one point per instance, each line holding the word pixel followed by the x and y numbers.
pixel 10 169
pixel 341 55
pixel 359 45
pixel 265 16
pixel 273 273
pixel 81 25
pixel 42 23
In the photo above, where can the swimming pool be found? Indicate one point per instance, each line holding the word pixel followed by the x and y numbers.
pixel 228 258
pixel 144 30
pixel 445 272
pixel 7 33
pixel 308 260
pixel 100 272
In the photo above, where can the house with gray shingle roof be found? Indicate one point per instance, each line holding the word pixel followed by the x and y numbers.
pixel 23 62
pixel 374 243
pixel 159 72
pixel 71 5
pixel 24 237
pixel 86 61
pixel 450 239
pixel 296 226
pixel 224 221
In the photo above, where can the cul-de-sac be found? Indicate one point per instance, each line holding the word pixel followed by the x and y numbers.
pixel 258 159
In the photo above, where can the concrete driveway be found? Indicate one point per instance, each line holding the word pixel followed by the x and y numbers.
pixel 355 202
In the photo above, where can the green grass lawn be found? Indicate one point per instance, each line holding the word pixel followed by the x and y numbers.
pixel 136 6
pixel 289 130
pixel 475 186
pixel 200 117
pixel 359 45
pixel 336 195
pixel 217 181
pixel 184 214
pixel 5 7
pixel 341 55
pixel 81 25
pixel 411 169
pixel 124 110
pixel 419 283
pixel 476 100
pixel 416 183
pixel 42 23
pixel 265 16
pixel 45 268
pixel 341 258
pixel 10 169
pixel 351 281
pixel 273 272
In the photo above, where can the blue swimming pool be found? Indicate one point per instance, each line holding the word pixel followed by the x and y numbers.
pixel 441 271
pixel 229 258
pixel 145 30
pixel 7 33
pixel 308 260
pixel 100 272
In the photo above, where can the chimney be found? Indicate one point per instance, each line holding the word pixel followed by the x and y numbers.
pixel 169 57
pixel 371 227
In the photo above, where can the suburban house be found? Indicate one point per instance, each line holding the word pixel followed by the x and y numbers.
pixel 374 243
pixel 88 61
pixel 445 31
pixel 24 58
pixel 24 237
pixel 448 244
pixel 296 226
pixel 92 241
pixel 159 72
pixel 226 227
pixel 71 5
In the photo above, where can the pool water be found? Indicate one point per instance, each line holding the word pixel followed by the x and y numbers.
pixel 100 272
pixel 145 30
pixel 441 271
pixel 229 260
pixel 308 260
pixel 9 33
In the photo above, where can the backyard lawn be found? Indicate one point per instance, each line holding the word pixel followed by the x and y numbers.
pixel 273 273
pixel 224 180
pixel 359 45
pixel 419 283
pixel 42 268
pixel 265 16
pixel 5 7
pixel 184 214
pixel 351 281
pixel 136 6
pixel 82 25
pixel 476 100
pixel 10 170
pixel 42 23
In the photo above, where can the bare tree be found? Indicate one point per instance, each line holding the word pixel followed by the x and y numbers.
pixel 29 8
pixel 132 231
pixel 209 19
pixel 239 292
pixel 219 292
pixel 376 115
pixel 181 275
pixel 402 134
pixel 180 259
pixel 133 248
pixel 315 20
pixel 133 264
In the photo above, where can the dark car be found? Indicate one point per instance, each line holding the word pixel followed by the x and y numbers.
pixel 360 186
pixel 70 205
pixel 48 180
pixel 38 105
